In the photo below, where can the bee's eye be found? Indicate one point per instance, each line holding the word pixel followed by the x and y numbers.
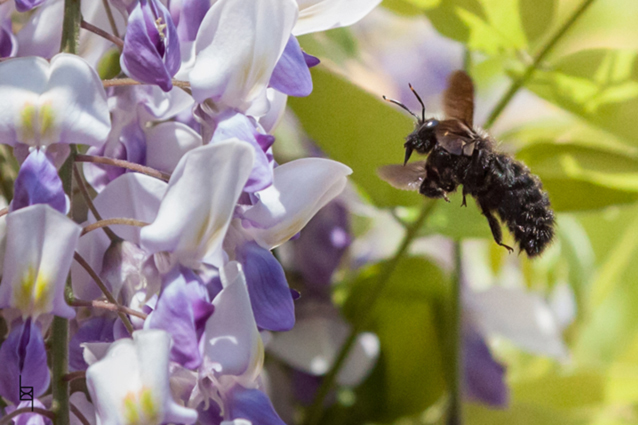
pixel 431 124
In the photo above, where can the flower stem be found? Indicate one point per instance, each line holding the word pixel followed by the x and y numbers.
pixel 60 326
pixel 131 82
pixel 314 413
pixel 71 26
pixel 92 28
pixel 518 83
pixel 105 305
pixel 110 222
pixel 82 262
pixel 89 202
pixel 123 164
pixel 109 14
pixel 455 343
pixel 5 420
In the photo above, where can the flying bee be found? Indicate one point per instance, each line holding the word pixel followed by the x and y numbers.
pixel 460 154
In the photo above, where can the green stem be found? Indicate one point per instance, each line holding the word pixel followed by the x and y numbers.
pixel 455 343
pixel 60 327
pixel 71 26
pixel 518 83
pixel 313 415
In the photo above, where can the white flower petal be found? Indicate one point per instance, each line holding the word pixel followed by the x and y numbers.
pixel 523 318
pixel 231 339
pixel 300 188
pixel 199 203
pixel 132 380
pixel 321 15
pixel 312 345
pixel 61 102
pixel 238 44
pixel 167 143
pixel 40 246
pixel 132 195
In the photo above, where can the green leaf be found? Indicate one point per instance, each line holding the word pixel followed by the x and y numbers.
pixel 409 7
pixel 609 24
pixel 450 219
pixel 600 87
pixel 358 129
pixel 580 177
pixel 405 318
pixel 537 17
pixel 521 414
pixel 446 20
pixel 578 389
pixel 485 25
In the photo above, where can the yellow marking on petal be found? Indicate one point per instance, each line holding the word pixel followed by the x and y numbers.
pixel 28 117
pixel 42 293
pixel 23 291
pixel 47 121
pixel 150 408
pixel 131 410
pixel 141 408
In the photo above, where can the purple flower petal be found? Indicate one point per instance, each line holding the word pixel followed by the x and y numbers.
pixel 97 329
pixel 270 295
pixel 26 5
pixel 24 362
pixel 38 183
pixel 190 18
pixel 181 308
pixel 252 405
pixel 311 61
pixel 8 43
pixel 291 74
pixel 148 56
pixel 29 418
pixel 321 245
pixel 233 124
pixel 484 377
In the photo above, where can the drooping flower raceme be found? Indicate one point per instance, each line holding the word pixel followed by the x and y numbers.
pixel 191 271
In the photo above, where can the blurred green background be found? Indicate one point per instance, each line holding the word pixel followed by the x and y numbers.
pixel 574 122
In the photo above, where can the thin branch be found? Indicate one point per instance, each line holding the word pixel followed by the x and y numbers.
pixel 95 30
pixel 313 415
pixel 123 164
pixel 111 222
pixel 4 211
pixel 107 306
pixel 517 84
pixel 109 14
pixel 78 414
pixel 42 412
pixel 131 82
pixel 71 376
pixel 82 262
pixel 89 202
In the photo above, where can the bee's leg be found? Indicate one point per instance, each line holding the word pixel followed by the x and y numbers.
pixel 431 189
pixel 495 227
pixel 465 192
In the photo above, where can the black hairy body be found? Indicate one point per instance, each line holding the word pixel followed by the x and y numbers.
pixel 499 184
pixel 460 155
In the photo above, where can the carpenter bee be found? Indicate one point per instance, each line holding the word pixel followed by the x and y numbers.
pixel 460 154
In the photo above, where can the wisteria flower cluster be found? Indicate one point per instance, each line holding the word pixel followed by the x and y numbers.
pixel 169 283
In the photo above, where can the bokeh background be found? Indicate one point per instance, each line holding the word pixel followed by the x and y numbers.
pixel 548 341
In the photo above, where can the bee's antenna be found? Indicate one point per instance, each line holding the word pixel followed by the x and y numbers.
pixel 420 101
pixel 396 102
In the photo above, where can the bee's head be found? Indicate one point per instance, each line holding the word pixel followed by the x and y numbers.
pixel 422 139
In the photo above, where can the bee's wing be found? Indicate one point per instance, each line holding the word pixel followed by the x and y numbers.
pixel 458 99
pixel 455 137
pixel 405 177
